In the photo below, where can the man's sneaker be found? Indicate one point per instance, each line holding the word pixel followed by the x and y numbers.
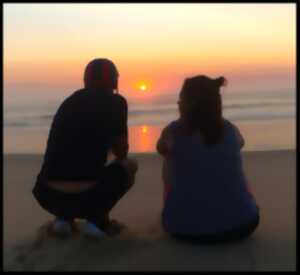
pixel 114 228
pixel 92 231
pixel 61 228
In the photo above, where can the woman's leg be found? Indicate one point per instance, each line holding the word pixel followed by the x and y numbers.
pixel 235 235
pixel 166 179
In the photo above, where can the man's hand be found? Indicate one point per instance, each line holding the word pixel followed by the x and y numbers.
pixel 120 147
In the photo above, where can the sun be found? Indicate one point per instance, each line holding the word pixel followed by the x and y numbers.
pixel 143 87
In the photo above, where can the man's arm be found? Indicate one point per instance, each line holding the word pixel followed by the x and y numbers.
pixel 120 145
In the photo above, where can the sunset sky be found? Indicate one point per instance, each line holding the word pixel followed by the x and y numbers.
pixel 46 46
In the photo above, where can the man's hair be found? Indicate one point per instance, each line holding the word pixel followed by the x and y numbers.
pixel 101 73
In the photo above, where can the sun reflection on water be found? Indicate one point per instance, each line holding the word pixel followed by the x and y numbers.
pixel 143 138
pixel 144 129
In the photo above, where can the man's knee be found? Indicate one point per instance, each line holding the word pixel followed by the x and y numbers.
pixel 131 165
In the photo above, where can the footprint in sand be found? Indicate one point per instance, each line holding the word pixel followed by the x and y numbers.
pixel 45 245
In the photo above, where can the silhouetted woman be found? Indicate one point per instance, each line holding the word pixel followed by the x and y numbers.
pixel 206 193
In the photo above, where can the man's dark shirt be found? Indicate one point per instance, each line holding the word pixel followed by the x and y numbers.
pixel 82 132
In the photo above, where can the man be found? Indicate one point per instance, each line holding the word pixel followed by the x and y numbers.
pixel 75 180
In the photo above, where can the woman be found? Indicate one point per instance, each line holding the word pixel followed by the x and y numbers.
pixel 206 193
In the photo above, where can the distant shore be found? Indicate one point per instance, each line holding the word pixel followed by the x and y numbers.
pixel 272 175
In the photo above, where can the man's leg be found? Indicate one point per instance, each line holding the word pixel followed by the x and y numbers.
pixel 58 204
pixel 118 178
pixel 131 167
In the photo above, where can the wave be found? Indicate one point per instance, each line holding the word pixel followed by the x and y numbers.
pixel 261 104
pixel 174 108
pixel 155 114
pixel 46 117
pixel 16 124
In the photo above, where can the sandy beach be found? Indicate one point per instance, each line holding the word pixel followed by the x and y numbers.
pixel 144 246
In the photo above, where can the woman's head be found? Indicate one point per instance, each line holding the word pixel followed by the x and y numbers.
pixel 200 106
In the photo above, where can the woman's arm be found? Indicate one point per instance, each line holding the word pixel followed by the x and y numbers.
pixel 240 138
pixel 165 142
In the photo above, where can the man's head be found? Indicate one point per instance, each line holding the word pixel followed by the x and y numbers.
pixel 101 73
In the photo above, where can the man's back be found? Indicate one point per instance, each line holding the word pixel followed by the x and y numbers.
pixel 87 125
pixel 81 134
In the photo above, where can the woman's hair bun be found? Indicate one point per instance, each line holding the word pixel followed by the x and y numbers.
pixel 221 81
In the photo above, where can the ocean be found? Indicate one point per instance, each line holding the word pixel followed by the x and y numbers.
pixel 267 119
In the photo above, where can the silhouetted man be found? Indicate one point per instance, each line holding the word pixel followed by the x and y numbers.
pixel 75 180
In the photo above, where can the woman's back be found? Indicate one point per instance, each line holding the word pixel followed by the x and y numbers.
pixel 208 188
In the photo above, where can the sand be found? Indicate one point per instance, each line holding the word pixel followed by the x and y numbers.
pixel 144 246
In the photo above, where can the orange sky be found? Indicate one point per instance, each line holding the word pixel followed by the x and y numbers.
pixel 48 45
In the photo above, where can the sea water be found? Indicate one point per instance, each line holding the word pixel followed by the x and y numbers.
pixel 267 120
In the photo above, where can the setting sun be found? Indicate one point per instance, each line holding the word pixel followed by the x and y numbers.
pixel 143 87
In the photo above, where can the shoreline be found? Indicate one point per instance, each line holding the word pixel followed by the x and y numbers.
pixel 140 154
